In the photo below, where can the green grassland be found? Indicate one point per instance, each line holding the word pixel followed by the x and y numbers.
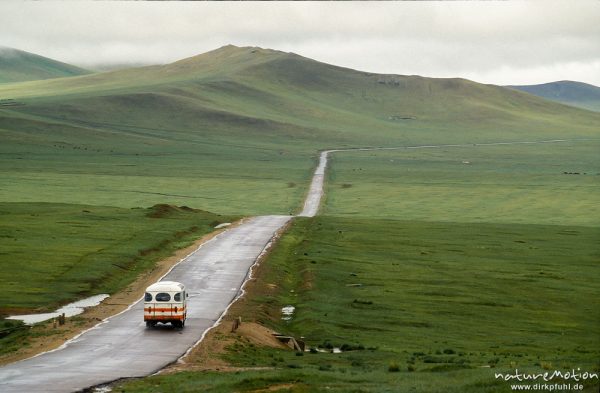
pixel 448 272
pixel 52 253
pixel 553 183
pixel 236 130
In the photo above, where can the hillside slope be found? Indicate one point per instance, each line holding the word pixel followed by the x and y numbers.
pixel 577 94
pixel 248 88
pixel 18 66
pixel 210 130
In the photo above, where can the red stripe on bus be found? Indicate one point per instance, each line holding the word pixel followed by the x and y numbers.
pixel 152 309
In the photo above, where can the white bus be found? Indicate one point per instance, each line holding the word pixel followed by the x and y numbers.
pixel 165 302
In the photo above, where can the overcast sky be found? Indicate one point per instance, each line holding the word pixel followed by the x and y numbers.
pixel 491 42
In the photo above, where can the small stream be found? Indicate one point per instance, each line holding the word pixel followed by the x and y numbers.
pixel 69 310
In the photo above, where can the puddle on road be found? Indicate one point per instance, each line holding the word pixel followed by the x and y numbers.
pixel 288 312
pixel 69 310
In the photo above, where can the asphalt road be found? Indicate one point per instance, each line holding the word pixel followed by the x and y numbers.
pixel 123 347
pixel 315 191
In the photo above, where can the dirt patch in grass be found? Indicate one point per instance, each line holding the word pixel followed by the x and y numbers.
pixel 207 355
pixel 163 210
pixel 259 335
pixel 46 336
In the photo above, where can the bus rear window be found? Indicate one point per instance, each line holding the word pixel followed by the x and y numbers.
pixel 163 297
pixel 177 297
pixel 148 297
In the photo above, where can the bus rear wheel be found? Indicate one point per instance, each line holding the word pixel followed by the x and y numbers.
pixel 150 324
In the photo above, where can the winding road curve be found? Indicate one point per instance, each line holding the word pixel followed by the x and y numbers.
pixel 121 346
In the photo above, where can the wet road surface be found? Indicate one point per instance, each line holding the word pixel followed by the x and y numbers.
pixel 122 346
pixel 315 191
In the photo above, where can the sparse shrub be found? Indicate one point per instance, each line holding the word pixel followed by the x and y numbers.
pixel 449 351
pixel 393 367
pixel 299 353
pixel 410 368
pixel 493 362
pixel 350 347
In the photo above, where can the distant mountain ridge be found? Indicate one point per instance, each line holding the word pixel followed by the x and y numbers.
pixel 19 66
pixel 572 93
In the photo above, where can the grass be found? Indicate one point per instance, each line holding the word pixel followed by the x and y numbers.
pixel 55 253
pixel 504 184
pixel 82 165
pixel 229 130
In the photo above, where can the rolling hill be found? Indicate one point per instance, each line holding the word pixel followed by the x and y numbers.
pixel 250 115
pixel 577 94
pixel 247 87
pixel 19 66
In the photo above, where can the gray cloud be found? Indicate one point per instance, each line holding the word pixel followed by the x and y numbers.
pixel 492 42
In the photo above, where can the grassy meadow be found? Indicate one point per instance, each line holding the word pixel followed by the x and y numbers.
pixel 52 253
pixel 548 183
pixel 236 130
pixel 431 276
